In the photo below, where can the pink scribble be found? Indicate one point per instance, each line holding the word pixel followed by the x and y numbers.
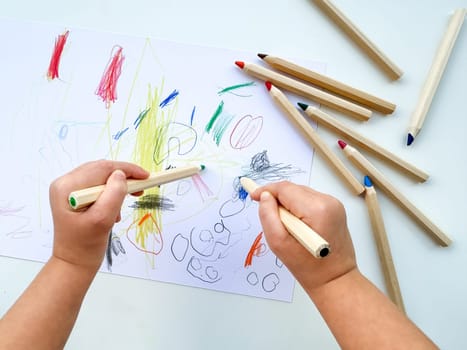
pixel 202 188
pixel 107 88
pixel 60 42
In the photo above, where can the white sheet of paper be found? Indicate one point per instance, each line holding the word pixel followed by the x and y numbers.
pixel 203 233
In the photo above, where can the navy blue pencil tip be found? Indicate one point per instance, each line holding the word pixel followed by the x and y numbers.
pixel 410 139
pixel 302 105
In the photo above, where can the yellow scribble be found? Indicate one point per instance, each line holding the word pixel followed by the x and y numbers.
pixel 150 152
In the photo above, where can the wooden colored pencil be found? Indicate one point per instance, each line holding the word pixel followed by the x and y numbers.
pixel 435 74
pixel 360 39
pixel 329 84
pixel 363 142
pixel 85 197
pixel 303 233
pixel 382 244
pixel 305 90
pixel 312 136
pixel 380 180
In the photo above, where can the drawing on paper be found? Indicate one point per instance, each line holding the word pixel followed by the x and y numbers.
pixel 157 109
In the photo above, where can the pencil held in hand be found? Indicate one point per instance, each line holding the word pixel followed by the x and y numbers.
pixel 315 140
pixel 85 197
pixel 303 233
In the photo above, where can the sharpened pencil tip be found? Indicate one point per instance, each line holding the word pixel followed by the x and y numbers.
pixel 268 85
pixel 202 166
pixel 367 181
pixel 241 64
pixel 262 55
pixel 410 139
pixel 303 106
pixel 342 144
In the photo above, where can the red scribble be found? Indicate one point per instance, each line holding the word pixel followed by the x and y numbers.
pixel 254 250
pixel 52 72
pixel 107 88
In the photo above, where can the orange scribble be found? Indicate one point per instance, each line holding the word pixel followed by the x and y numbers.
pixel 152 242
pixel 107 88
pixel 52 72
pixel 144 218
pixel 254 250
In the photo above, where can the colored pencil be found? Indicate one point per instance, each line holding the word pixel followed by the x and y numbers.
pixel 303 233
pixel 360 39
pixel 435 74
pixel 363 142
pixel 305 90
pixel 315 140
pixel 380 180
pixel 329 84
pixel 382 244
pixel 85 197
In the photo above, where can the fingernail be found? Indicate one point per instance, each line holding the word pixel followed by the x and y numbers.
pixel 118 174
pixel 265 196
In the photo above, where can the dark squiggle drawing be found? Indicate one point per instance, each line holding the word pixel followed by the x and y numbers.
pixel 279 263
pixel 203 270
pixel 270 282
pixel 179 247
pixel 114 247
pixel 183 138
pixel 204 242
pixel 252 278
pixel 261 168
pixel 153 201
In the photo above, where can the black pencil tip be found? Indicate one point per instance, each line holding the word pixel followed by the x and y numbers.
pixel 262 55
pixel 302 105
pixel 410 139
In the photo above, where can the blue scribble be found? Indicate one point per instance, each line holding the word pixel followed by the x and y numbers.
pixel 119 134
pixel 192 115
pixel 62 134
pixel 140 118
pixel 242 194
pixel 169 99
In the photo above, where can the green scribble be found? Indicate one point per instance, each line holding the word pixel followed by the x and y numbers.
pixel 220 127
pixel 214 117
pixel 235 87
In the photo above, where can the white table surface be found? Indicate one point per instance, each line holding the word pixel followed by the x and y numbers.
pixel 122 312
